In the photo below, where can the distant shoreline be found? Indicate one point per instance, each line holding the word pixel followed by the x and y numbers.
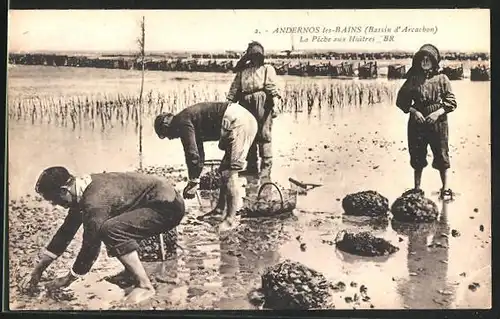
pixel 287 63
pixel 238 53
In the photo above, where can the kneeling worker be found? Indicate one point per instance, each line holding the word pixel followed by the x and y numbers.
pixel 118 209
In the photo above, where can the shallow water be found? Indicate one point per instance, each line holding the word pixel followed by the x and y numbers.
pixel 347 150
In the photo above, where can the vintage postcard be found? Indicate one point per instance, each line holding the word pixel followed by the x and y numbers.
pixel 249 159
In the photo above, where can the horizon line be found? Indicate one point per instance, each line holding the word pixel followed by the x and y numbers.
pixel 238 51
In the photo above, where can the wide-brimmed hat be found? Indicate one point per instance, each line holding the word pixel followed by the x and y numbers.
pixel 431 51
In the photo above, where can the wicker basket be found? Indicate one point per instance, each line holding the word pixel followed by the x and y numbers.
pixel 260 207
pixel 211 180
pixel 159 247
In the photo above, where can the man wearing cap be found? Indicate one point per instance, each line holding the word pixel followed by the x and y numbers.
pixel 118 209
pixel 233 126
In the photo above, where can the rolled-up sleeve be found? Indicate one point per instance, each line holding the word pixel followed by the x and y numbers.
pixel 65 234
pixel 235 88
pixel 272 83
pixel 404 99
pixel 448 99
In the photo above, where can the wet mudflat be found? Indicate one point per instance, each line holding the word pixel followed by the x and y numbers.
pixel 348 150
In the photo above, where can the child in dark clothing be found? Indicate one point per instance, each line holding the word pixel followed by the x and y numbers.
pixel 427 95
pixel 118 209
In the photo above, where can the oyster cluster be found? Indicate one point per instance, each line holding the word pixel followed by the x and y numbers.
pixel 291 285
pixel 414 208
pixel 365 244
pixel 365 203
pixel 210 181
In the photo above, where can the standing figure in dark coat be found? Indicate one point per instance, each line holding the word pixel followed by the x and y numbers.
pixel 427 96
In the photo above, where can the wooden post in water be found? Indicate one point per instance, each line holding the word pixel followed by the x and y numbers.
pixel 142 56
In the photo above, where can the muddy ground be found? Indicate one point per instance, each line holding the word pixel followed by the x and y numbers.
pixel 346 151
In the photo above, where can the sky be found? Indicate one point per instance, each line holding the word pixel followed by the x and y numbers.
pixel 463 30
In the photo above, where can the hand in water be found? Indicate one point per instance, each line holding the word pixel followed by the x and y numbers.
pixel 29 283
pixel 190 190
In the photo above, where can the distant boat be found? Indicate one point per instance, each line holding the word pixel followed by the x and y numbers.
pixel 480 73
pixel 455 72
pixel 396 71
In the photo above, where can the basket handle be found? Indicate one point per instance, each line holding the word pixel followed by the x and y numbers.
pixel 279 191
pixel 212 163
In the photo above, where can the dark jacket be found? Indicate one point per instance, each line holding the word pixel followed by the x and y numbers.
pixel 108 195
pixel 194 125
pixel 426 93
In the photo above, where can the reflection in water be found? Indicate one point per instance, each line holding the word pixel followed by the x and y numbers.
pixel 166 271
pixel 427 264
pixel 245 253
pixel 229 270
pixel 211 196
pixel 165 277
pixel 354 259
pixel 375 223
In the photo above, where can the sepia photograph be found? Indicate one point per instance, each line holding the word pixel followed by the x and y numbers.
pixel 249 159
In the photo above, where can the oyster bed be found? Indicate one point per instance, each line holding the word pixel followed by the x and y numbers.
pixel 291 285
pixel 414 208
pixel 210 180
pixel 150 248
pixel 364 244
pixel 365 203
